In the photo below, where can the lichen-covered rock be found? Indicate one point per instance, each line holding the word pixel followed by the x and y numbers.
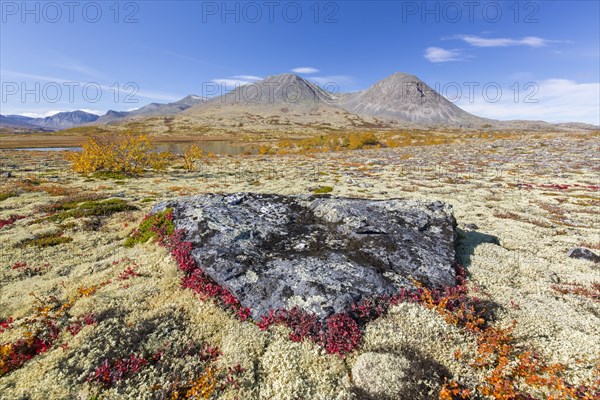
pixel 583 254
pixel 381 375
pixel 318 253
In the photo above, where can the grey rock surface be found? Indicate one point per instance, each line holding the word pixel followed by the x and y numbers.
pixel 583 254
pixel 318 253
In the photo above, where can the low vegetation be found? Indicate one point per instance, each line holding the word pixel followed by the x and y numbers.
pixel 7 194
pixel 323 190
pixel 342 141
pixel 94 208
pixel 124 153
pixel 97 327
pixel 46 240
pixel 155 225
pixel 190 156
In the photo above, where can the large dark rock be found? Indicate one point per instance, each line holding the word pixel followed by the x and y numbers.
pixel 319 253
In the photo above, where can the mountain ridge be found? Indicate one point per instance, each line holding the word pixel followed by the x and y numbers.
pixel 287 100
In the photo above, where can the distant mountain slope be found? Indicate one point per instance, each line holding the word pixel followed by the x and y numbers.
pixel 399 99
pixel 283 101
pixel 70 119
pixel 110 116
pixel 289 103
pixel 167 109
pixel 272 93
pixel 152 109
pixel 405 97
pixel 18 123
pixel 62 120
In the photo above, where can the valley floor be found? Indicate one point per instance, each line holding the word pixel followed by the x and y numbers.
pixel 530 199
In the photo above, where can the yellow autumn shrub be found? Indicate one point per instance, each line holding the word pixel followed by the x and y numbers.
pixel 125 153
pixel 190 155
pixel 359 140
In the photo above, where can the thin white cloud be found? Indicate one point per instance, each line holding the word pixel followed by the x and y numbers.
pixel 41 114
pixel 44 78
pixel 231 82
pixel 150 94
pixel 478 41
pixel 109 89
pixel 551 100
pixel 438 55
pixel 97 112
pixel 305 70
pixel 84 69
pixel 333 83
pixel 70 64
pixel 247 77
pixel 49 113
pixel 235 81
pixel 340 80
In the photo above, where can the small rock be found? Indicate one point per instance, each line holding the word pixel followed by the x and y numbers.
pixel 583 254
pixel 6 174
pixel 471 227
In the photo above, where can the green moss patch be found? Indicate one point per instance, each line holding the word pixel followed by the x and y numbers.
pixel 105 175
pixel 323 190
pixel 94 208
pixel 46 240
pixel 70 202
pixel 153 225
pixel 7 195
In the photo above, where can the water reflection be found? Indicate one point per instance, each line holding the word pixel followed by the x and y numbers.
pixel 212 146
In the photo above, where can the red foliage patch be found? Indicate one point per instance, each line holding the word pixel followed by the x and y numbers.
pixel 10 220
pixel 28 270
pixel 129 272
pixel 302 324
pixel 342 335
pixel 110 372
pixel 42 331
pixel 82 320
pixel 5 324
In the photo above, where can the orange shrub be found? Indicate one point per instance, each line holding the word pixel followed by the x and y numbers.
pixel 190 155
pixel 128 154
pixel 360 140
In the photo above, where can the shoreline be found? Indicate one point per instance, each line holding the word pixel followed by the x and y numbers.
pixel 17 141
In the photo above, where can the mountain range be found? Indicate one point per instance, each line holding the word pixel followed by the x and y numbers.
pixel 59 121
pixel 292 103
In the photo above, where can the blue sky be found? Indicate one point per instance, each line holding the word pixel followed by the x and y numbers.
pixel 544 56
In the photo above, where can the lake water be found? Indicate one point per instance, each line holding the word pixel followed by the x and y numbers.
pixel 210 146
pixel 47 149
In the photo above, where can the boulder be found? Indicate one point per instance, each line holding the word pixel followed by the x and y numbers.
pixel 319 253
